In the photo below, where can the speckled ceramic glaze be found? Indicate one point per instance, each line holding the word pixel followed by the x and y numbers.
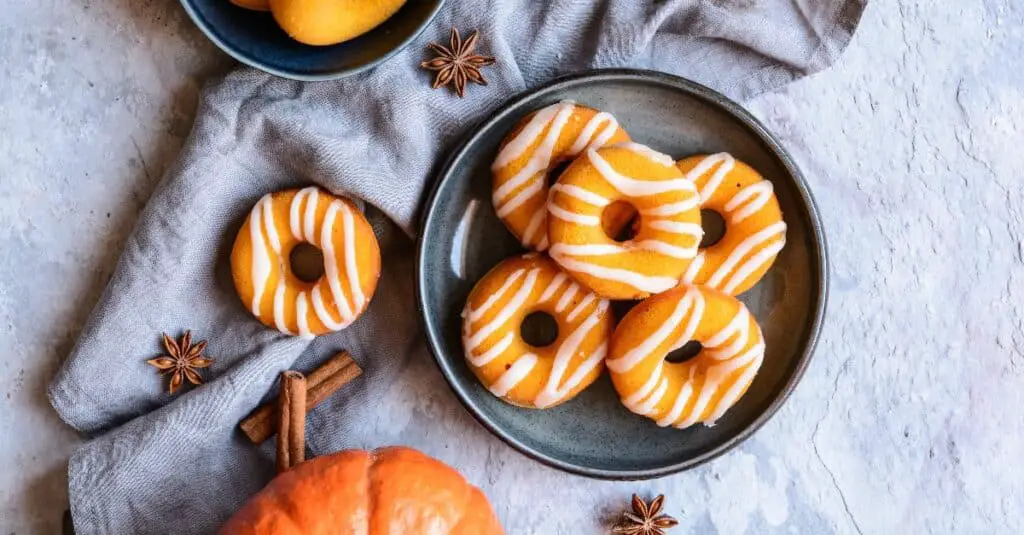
pixel 254 38
pixel 594 434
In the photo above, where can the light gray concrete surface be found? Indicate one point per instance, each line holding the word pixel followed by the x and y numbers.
pixel 911 417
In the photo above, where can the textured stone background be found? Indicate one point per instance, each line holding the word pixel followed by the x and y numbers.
pixel 911 417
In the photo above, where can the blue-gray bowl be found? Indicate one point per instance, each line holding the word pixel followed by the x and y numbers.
pixel 593 434
pixel 253 38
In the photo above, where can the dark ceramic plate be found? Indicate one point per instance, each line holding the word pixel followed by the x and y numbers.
pixel 254 38
pixel 593 434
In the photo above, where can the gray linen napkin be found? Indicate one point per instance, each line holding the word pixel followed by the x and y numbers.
pixel 177 465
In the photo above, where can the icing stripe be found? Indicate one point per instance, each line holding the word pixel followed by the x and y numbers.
pixel 260 258
pixel 655 340
pixel 475 314
pixel 582 194
pixel 573 217
pixel 632 187
pixel 689 229
pixel 494 352
pixel 743 249
pixel 351 262
pixel 759 193
pixel 517 301
pixel 553 286
pixel 644 283
pixel 514 375
pixel 580 307
pixel 567 297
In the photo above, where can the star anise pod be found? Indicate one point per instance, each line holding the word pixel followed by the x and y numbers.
pixel 182 360
pixel 457 64
pixel 645 520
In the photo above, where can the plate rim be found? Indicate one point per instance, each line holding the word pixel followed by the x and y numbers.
pixel 246 59
pixel 713 98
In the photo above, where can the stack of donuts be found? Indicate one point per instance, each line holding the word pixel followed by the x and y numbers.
pixel 621 222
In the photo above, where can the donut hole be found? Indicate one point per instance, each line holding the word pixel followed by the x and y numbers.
pixel 539 329
pixel 620 221
pixel 714 227
pixel 307 262
pixel 689 350
pixel 556 171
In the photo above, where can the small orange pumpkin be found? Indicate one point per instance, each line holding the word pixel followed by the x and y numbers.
pixel 391 490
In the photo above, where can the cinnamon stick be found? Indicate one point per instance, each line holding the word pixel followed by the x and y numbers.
pixel 320 385
pixel 291 421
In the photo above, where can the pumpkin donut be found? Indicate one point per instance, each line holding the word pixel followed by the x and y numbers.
pixel 667 233
pixel 261 266
pixel 512 369
pixel 700 389
pixel 754 229
pixel 539 143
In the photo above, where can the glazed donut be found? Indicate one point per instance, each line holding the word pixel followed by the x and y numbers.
pixel 538 144
pixel 667 234
pixel 754 229
pixel 700 389
pixel 261 265
pixel 512 369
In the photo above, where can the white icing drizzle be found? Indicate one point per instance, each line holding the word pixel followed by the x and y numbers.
pixel 331 263
pixel 580 307
pixel 678 227
pixel 476 313
pixel 302 226
pixel 583 141
pixel 732 395
pixel 321 311
pixel 553 286
pixel 556 386
pixel 633 357
pixel 279 321
pixel 301 309
pixel 535 223
pixel 582 194
pixel 260 258
pixel 633 399
pixel 758 193
pixel 749 267
pixel 351 262
pixel 668 249
pixel 644 283
pixel 694 269
pixel 514 304
pixel 310 225
pixel 650 154
pixel 518 145
pixel 514 375
pixel 671 209
pixel 727 163
pixel 542 155
pixel 487 356
pixel 573 217
pixel 726 346
pixel 648 406
pixel 633 187
pixel 530 180
pixel 743 249
pixel 682 398
pixel 551 392
pixel 535 188
pixel 567 297
pixel 586 249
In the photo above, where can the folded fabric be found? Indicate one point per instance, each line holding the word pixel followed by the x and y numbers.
pixel 178 465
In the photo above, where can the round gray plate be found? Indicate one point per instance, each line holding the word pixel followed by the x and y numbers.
pixel 593 434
